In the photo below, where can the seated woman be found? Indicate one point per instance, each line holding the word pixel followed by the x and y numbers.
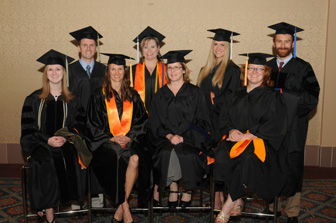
pixel 253 125
pixel 116 127
pixel 178 129
pixel 55 172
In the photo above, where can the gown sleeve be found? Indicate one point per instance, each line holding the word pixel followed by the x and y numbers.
pixel 33 141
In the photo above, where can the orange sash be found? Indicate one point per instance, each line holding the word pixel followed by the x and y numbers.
pixel 139 79
pixel 119 127
pixel 259 148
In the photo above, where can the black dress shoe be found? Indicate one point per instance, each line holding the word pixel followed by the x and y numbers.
pixel 292 220
pixel 156 203
pixel 184 204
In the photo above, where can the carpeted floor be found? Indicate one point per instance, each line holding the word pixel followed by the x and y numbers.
pixel 318 204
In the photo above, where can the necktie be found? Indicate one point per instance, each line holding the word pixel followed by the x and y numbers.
pixel 88 70
pixel 281 64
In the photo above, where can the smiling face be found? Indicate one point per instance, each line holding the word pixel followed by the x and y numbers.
pixel 175 72
pixel 255 74
pixel 218 49
pixel 283 44
pixel 55 73
pixel 87 48
pixel 116 72
pixel 150 49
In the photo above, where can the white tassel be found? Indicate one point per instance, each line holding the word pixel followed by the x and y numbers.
pixel 138 50
pixel 231 46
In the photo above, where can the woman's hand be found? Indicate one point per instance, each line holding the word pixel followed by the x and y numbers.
pixel 236 136
pixel 174 139
pixel 121 140
pixel 56 141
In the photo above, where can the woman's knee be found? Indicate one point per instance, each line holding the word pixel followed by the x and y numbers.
pixel 134 161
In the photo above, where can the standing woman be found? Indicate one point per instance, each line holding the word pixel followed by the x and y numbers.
pixel 219 74
pixel 148 78
pixel 116 128
pixel 178 130
pixel 253 123
pixel 55 172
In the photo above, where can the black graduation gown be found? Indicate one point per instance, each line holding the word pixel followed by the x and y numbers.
pixel 80 83
pixel 301 90
pixel 263 113
pixel 110 160
pixel 149 84
pixel 55 174
pixel 231 81
pixel 185 115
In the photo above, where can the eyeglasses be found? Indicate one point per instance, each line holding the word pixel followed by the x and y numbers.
pixel 173 68
pixel 258 69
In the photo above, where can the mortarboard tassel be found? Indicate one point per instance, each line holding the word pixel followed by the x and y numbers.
pixel 138 50
pixel 98 46
pixel 131 75
pixel 246 64
pixel 231 46
pixel 295 43
pixel 67 70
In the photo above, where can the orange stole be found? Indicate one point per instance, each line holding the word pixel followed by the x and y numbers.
pixel 259 148
pixel 139 79
pixel 119 127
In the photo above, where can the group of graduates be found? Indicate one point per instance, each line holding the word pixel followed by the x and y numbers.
pixel 147 125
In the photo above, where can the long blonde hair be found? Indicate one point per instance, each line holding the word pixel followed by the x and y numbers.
pixel 210 65
pixel 66 93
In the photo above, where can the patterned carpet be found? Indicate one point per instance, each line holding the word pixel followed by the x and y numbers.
pixel 318 204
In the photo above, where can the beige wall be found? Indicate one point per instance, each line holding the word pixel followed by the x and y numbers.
pixel 30 28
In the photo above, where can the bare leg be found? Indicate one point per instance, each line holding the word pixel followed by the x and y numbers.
pixel 224 215
pixel 50 214
pixel 131 176
pixel 219 199
pixel 118 215
pixel 173 187
pixel 156 194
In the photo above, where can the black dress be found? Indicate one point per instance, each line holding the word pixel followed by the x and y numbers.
pixel 55 174
pixel 185 115
pixel 80 83
pixel 301 91
pixel 110 160
pixel 263 113
pixel 231 81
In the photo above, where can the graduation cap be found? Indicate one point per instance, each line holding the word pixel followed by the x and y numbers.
pixel 257 58
pixel 55 57
pixel 149 32
pixel 285 28
pixel 120 59
pixel 254 58
pixel 224 35
pixel 176 56
pixel 87 33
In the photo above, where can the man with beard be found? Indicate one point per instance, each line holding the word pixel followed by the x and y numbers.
pixel 296 79
pixel 85 76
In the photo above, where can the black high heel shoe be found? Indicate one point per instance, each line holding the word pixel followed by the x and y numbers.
pixel 115 220
pixel 184 204
pixel 173 204
pixel 156 203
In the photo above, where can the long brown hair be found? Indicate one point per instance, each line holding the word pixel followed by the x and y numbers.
pixel 211 64
pixel 266 80
pixel 126 91
pixel 67 95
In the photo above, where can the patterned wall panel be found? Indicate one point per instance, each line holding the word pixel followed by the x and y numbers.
pixel 30 28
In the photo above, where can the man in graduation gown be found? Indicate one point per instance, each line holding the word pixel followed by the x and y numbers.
pixel 296 79
pixel 85 76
